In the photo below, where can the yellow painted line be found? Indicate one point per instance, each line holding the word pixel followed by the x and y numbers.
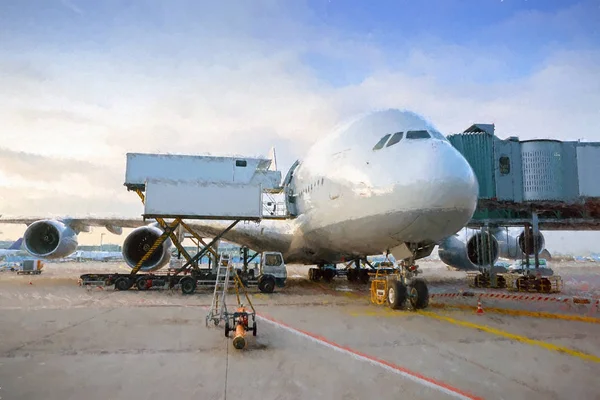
pixel 518 338
pixel 387 313
pixel 507 311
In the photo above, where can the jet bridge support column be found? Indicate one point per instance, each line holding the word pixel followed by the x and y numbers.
pixel 536 233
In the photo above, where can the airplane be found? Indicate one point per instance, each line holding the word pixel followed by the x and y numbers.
pixel 385 182
pixel 13 249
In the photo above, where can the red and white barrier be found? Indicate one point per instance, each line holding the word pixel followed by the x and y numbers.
pixel 521 297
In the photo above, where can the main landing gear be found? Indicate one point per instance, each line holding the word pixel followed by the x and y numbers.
pixel 395 289
pixel 329 271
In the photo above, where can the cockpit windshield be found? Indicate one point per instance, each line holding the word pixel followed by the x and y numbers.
pixel 395 139
pixel 418 135
pixel 381 142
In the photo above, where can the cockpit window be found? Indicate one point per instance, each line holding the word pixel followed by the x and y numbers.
pixel 395 139
pixel 417 135
pixel 380 144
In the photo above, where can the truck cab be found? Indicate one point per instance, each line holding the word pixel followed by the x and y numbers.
pixel 273 271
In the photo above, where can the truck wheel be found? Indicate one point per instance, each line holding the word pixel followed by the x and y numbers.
pixel 142 283
pixel 122 284
pixel 188 285
pixel 266 284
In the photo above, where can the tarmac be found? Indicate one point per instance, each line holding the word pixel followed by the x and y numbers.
pixel 315 340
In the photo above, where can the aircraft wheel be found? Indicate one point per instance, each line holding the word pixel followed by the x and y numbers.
pixel 328 275
pixel 363 276
pixel 396 295
pixel 351 275
pixel 419 294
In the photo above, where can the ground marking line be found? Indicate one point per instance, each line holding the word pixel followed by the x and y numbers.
pixel 519 338
pixel 414 376
pixel 538 314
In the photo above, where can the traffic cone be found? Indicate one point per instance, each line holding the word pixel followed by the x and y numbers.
pixel 479 309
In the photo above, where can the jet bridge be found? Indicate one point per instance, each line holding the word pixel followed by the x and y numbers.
pixel 542 184
pixel 178 187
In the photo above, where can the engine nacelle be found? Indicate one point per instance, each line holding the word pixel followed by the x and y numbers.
pixel 50 239
pixel 466 255
pixel 512 243
pixel 139 241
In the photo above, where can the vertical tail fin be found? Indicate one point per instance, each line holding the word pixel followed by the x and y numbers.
pixel 273 158
pixel 16 245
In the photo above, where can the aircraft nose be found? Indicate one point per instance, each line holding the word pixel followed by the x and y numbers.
pixel 450 198
pixel 443 190
pixel 453 182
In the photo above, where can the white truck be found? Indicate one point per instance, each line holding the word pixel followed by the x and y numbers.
pixel 271 272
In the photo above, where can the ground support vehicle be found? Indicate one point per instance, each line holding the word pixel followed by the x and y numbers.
pixel 395 288
pixel 271 273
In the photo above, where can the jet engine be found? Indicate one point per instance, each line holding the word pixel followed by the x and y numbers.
pixel 511 243
pixel 139 241
pixel 465 255
pixel 50 239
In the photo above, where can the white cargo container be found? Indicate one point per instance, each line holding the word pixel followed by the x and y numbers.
pixel 142 167
pixel 202 200
pixel 588 166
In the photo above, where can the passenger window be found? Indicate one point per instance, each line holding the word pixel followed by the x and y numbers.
pixel 504 165
pixel 395 139
pixel 240 163
pixel 417 135
pixel 380 144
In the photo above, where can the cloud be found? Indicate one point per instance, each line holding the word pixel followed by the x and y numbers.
pixel 44 170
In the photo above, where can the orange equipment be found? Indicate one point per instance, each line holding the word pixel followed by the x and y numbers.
pixel 240 319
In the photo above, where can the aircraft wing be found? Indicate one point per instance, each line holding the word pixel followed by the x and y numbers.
pixel 114 225
pixel 268 235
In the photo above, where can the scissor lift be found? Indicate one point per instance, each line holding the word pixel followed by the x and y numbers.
pixel 178 187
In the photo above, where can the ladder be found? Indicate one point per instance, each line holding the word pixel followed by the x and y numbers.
pixel 218 308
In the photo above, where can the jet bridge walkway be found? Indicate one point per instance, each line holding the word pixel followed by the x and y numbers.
pixel 183 187
pixel 541 184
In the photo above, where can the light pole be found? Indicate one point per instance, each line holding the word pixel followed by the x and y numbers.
pixel 101 237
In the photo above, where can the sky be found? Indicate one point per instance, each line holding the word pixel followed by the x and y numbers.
pixel 85 82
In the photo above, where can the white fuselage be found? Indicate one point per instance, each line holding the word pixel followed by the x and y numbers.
pixel 353 201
